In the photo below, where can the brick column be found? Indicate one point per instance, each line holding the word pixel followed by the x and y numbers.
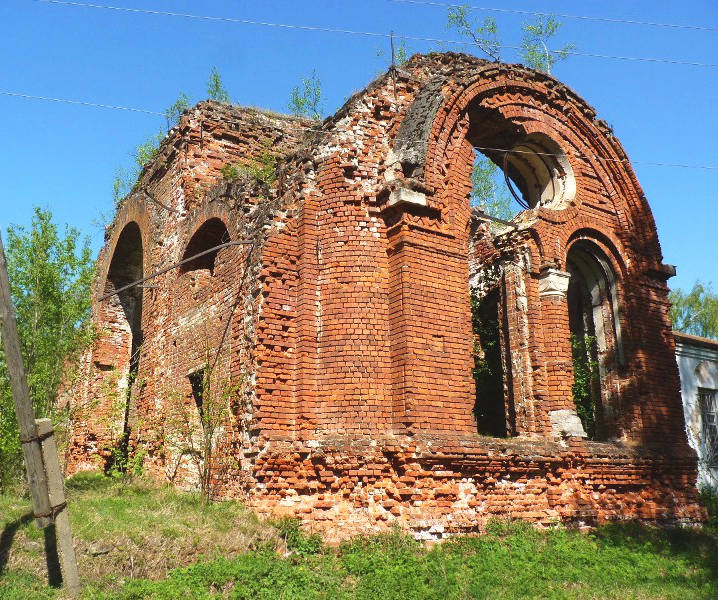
pixel 558 363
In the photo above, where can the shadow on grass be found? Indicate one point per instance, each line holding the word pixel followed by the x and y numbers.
pixel 52 558
pixel 88 482
pixel 698 545
pixel 8 535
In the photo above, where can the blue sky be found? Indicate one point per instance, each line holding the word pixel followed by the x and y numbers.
pixel 64 157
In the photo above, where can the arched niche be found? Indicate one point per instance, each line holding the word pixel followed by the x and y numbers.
pixel 211 233
pixel 120 342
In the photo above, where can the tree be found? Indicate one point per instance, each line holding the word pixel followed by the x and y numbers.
pixel 534 52
pixel 126 178
pixel 215 88
pixel 485 35
pixel 307 100
pixel 50 276
pixel 695 312
pixel 486 192
pixel 175 110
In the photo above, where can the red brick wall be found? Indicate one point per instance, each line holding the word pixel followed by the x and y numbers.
pixel 349 352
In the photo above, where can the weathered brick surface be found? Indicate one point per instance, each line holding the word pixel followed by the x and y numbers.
pixel 349 347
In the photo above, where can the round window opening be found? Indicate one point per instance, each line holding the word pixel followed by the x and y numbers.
pixel 540 172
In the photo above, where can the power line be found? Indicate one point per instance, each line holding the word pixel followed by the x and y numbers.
pixel 328 132
pixel 562 16
pixel 373 34
pixel 164 270
pixel 605 159
pixel 80 103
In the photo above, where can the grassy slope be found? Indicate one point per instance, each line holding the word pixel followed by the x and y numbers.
pixel 138 541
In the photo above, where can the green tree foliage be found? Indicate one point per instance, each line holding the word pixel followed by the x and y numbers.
pixel 585 376
pixel 534 50
pixel 695 312
pixel 126 178
pixel 305 100
pixel 50 275
pixel 401 55
pixel 215 88
pixel 175 110
pixel 484 35
pixel 487 193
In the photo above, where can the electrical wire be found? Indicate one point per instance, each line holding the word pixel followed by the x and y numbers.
pixel 328 132
pixel 514 11
pixel 366 33
pixel 80 103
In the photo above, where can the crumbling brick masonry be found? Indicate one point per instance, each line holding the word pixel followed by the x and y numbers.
pixel 381 353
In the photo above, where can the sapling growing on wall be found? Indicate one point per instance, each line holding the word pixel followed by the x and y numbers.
pixel 484 35
pixel 215 88
pixel 305 100
pixel 534 49
pixel 126 177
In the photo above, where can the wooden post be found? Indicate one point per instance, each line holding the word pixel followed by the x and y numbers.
pixel 59 507
pixel 23 407
pixel 38 440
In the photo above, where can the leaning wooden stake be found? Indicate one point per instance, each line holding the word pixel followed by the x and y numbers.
pixel 35 438
pixel 23 407
pixel 59 507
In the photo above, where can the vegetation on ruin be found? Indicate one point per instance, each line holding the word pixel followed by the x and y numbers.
pixel 585 378
pixel 262 170
pixel 50 274
pixel 126 177
pixel 696 311
pixel 215 88
pixel 144 541
pixel 305 100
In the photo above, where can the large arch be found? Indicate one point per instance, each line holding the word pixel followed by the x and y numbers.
pixel 120 326
pixel 547 127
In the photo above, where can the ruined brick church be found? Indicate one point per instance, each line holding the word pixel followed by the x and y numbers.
pixel 373 350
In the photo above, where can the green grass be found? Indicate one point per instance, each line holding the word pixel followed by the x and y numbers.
pixel 221 550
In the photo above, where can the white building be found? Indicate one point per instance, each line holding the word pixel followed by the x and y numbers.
pixel 698 365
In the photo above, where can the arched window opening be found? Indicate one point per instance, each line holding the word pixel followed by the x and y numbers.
pixel 595 336
pixel 514 170
pixel 488 370
pixel 126 268
pixel 123 318
pixel 211 234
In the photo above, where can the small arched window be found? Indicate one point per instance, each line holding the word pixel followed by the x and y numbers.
pixel 204 243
